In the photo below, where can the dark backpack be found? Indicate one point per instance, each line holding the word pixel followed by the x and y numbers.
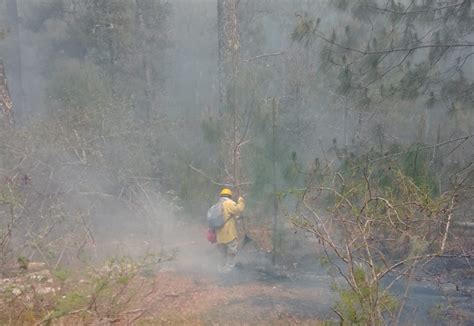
pixel 215 216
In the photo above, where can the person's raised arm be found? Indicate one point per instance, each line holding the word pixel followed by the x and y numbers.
pixel 237 208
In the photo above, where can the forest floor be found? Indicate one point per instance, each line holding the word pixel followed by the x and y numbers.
pixel 200 301
pixel 167 297
pixel 255 293
pixel 188 290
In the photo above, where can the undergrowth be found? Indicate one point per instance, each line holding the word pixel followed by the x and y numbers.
pixel 109 293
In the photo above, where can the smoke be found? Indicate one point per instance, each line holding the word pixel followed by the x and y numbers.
pixel 106 171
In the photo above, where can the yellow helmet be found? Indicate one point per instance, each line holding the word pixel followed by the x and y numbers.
pixel 226 192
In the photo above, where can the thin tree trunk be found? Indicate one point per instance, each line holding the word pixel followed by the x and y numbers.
pixel 14 56
pixel 221 54
pixel 275 199
pixel 6 104
pixel 148 90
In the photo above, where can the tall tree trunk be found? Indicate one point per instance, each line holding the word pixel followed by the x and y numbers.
pixel 145 62
pixel 228 48
pixel 14 56
pixel 228 69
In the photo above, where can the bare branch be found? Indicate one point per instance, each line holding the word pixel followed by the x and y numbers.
pixel 420 257
pixel 266 55
pixel 464 138
pixel 465 59
pixel 414 11
pixel 393 50
pixel 218 183
pixel 386 72
pixel 448 223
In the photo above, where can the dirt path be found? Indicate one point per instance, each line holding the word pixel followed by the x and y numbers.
pixel 196 300
pixel 256 293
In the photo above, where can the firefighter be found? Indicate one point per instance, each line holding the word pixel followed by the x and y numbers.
pixel 227 235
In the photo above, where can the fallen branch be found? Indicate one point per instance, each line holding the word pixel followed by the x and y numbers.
pixel 133 311
pixel 49 317
pixel 142 312
pixel 448 223
pixel 467 225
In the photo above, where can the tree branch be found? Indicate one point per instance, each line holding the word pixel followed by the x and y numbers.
pixel 386 72
pixel 414 11
pixel 393 50
pixel 421 257
pixel 448 223
pixel 265 55
pixel 218 183
pixel 464 138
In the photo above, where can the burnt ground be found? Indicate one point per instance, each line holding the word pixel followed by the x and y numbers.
pixel 259 293
pixel 255 293
pixel 296 290
pixel 197 300
pixel 299 291
pixel 188 290
pixel 451 282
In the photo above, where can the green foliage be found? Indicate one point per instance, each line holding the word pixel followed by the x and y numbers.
pixel 413 80
pixel 357 306
pixel 124 39
pixel 86 111
pixel 194 191
pixel 78 86
pixel 371 65
pixel 85 297
pixel 417 164
pixel 10 194
pixel 259 168
pixel 459 89
pixel 62 274
pixel 305 29
pixel 23 262
pixel 212 130
pixel 383 79
pixel 345 81
pixel 292 173
pixel 71 301
pixel 388 210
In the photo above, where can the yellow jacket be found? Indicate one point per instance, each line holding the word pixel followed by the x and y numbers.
pixel 228 232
